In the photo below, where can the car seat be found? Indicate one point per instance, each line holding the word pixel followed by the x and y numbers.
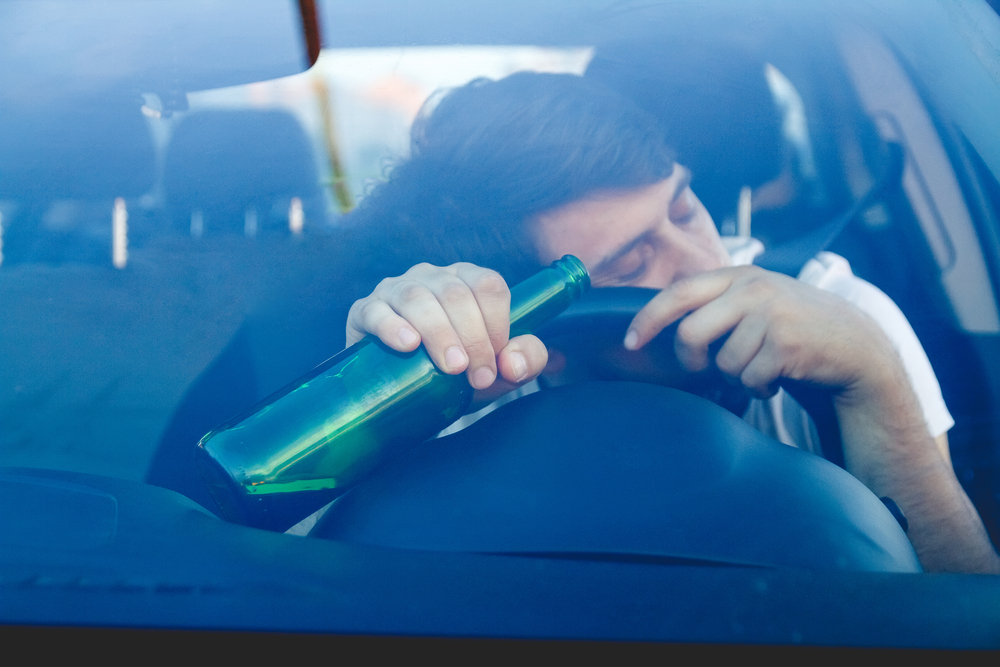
pixel 236 173
pixel 61 170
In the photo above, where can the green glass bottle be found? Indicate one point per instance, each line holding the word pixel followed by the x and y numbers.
pixel 304 445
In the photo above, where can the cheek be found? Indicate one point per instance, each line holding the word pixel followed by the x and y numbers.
pixel 689 255
pixel 716 256
pixel 713 252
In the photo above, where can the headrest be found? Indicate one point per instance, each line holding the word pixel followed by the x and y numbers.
pixel 90 149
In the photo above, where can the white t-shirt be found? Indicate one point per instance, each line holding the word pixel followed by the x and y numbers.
pixel 781 417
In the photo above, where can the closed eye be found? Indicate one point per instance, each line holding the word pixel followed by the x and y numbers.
pixel 630 268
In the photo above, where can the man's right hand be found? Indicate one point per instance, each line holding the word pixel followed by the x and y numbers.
pixel 461 314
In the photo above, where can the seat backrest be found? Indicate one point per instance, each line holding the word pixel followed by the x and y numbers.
pixel 224 163
pixel 61 169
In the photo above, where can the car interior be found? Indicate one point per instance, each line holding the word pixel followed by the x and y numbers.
pixel 242 261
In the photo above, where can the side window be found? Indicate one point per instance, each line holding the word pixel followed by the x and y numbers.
pixel 924 94
pixel 929 180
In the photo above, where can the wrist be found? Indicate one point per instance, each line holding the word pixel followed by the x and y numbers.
pixel 887 444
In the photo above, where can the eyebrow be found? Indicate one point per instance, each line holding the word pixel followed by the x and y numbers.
pixel 608 260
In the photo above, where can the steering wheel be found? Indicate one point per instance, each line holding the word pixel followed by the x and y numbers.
pixel 622 471
pixel 589 335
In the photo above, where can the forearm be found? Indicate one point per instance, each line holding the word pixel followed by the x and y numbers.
pixel 776 329
pixel 887 447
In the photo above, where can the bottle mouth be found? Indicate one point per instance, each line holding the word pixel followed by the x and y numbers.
pixel 577 271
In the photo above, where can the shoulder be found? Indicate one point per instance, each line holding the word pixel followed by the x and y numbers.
pixel 825 268
pixel 832 273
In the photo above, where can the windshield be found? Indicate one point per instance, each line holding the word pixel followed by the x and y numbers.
pixel 193 195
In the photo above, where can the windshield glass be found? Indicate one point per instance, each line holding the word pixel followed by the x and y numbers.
pixel 193 195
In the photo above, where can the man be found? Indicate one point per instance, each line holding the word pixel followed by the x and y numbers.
pixel 516 173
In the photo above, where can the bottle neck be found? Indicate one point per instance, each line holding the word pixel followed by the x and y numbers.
pixel 546 294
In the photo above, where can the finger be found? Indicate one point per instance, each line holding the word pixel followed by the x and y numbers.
pixel 761 374
pixel 461 304
pixel 493 296
pixel 523 359
pixel 418 305
pixel 700 329
pixel 374 316
pixel 742 345
pixel 673 303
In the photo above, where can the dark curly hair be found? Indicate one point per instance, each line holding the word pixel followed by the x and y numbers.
pixel 488 157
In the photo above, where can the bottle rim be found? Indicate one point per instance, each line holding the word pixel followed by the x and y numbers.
pixel 577 273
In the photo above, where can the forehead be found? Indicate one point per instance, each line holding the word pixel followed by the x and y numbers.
pixel 592 228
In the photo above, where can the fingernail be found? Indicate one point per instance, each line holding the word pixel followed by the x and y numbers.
pixel 455 358
pixel 631 338
pixel 407 337
pixel 483 378
pixel 518 365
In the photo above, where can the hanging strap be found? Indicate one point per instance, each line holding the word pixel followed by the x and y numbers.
pixel 791 257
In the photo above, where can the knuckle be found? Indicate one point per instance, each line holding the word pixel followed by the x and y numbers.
pixel 421 268
pixel 688 359
pixel 752 270
pixel 384 285
pixel 789 347
pixel 367 310
pixel 421 272
pixel 359 310
pixel 783 346
pixel 478 344
pixel 491 284
pixel 727 363
pixel 441 335
pixel 477 348
pixel 683 290
pixel 687 334
pixel 367 317
pixel 759 285
pixel 356 308
pixel 454 292
pixel 407 291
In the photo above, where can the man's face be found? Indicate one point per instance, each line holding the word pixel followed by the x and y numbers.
pixel 648 237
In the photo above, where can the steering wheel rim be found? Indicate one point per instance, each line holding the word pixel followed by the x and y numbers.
pixel 590 333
